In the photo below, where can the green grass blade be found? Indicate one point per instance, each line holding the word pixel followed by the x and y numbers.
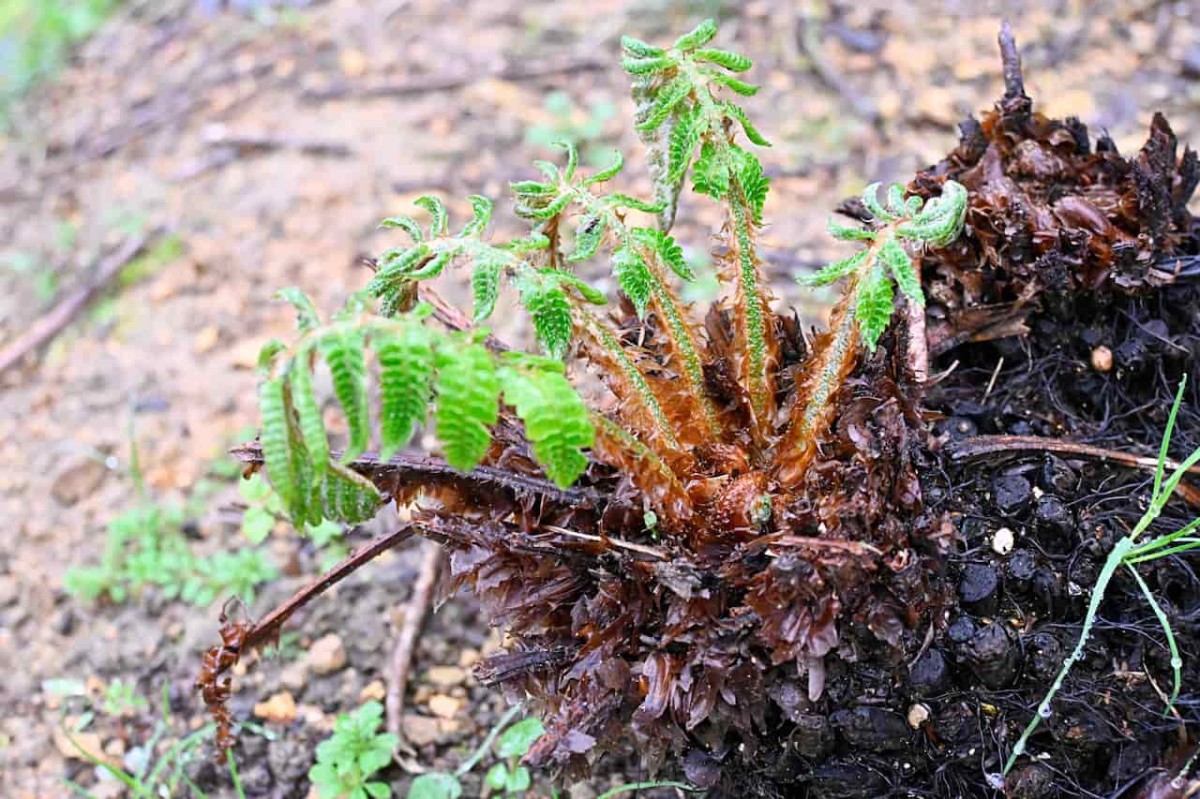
pixel 1176 661
pixel 1115 559
pixel 1147 551
pixel 1166 439
pixel 1192 543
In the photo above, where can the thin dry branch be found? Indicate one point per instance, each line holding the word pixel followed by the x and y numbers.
pixel 979 446
pixel 412 618
pixel 268 626
pixel 409 87
pixel 51 324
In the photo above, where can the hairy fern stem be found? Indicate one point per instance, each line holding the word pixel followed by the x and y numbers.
pixel 815 406
pixel 752 315
pixel 603 347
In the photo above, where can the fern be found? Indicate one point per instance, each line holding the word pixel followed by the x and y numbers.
pixel 455 375
pixel 868 303
pixel 678 110
pixel 936 224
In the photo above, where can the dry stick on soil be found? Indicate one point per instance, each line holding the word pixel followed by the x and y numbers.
pixel 50 325
pixel 267 627
pixel 412 618
pixel 978 446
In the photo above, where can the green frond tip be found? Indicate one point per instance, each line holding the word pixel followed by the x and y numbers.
pixel 267 355
pixel 699 36
pixel 941 220
pixel 609 172
pixel 639 49
pixel 734 62
pixel 892 255
pixel 407 224
pixel 835 271
pixel 669 251
pixel 848 232
pixel 634 278
pixel 481 208
pixel 307 316
pixel 543 297
pixel 668 97
pixel 436 209
pixel 870 200
pixel 572 159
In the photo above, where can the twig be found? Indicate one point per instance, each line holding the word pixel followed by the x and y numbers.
pixel 1015 103
pixel 1010 57
pixel 51 324
pixel 268 626
pixel 436 83
pixel 246 143
pixel 853 547
pixel 228 147
pixel 653 552
pixel 978 446
pixel 412 618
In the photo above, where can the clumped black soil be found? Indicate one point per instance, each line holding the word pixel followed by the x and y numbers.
pixel 1070 310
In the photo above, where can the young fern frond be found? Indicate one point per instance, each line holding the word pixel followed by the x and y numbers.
pixel 453 374
pixel 867 303
pixel 678 112
pixel 640 259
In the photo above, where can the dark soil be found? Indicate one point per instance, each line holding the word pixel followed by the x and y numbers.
pixel 1054 319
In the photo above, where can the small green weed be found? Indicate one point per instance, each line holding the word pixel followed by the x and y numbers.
pixel 1128 552
pixel 145 547
pixel 122 699
pixel 146 775
pixel 507 777
pixel 348 759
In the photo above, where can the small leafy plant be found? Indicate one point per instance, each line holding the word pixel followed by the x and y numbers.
pixel 348 759
pixel 657 556
pixel 508 776
pixel 146 548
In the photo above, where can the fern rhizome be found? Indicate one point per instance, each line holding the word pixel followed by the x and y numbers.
pixel 666 554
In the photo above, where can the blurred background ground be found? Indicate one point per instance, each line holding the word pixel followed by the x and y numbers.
pixel 257 144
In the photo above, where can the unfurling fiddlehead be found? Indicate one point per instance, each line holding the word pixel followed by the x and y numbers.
pixel 868 301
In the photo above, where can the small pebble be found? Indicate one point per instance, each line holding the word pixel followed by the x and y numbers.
pixel 1102 359
pixel 1012 494
pixel 327 654
pixel 918 714
pixel 979 589
pixel 1003 541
